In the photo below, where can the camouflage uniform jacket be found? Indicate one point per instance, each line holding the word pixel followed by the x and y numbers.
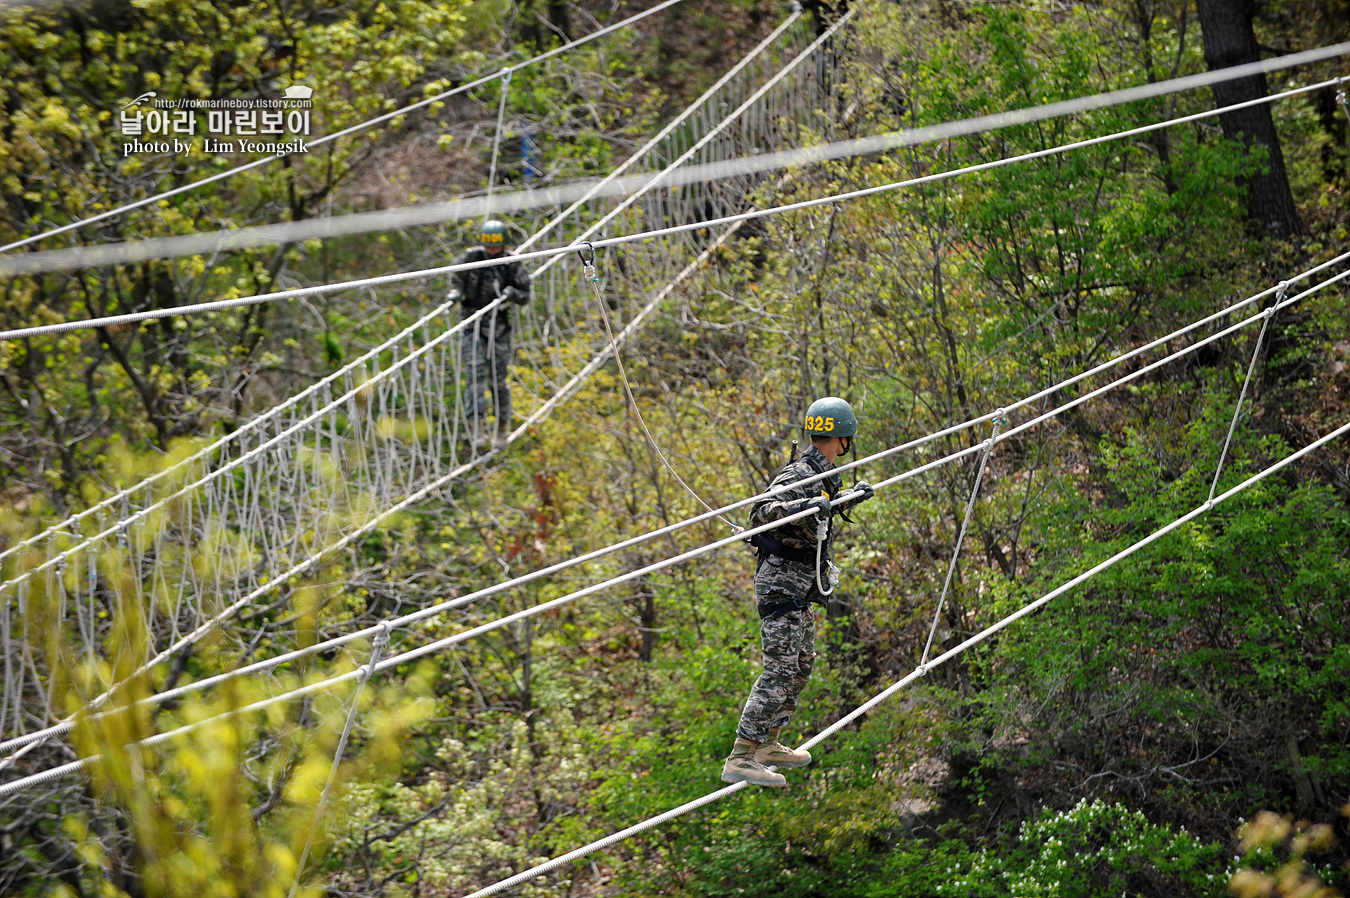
pixel 478 287
pixel 776 577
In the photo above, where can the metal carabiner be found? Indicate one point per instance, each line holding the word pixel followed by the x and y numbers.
pixel 588 264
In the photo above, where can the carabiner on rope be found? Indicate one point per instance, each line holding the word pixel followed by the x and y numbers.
pixel 588 263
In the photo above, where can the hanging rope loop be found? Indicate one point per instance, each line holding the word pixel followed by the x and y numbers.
pixel 822 535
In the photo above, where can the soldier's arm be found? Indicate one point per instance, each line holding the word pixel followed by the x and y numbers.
pixel 458 281
pixel 520 279
pixel 777 508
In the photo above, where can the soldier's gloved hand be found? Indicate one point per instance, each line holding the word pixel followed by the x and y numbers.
pixel 514 295
pixel 819 503
pixel 862 491
pixel 454 295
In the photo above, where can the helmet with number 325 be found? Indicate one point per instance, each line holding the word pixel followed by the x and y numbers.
pixel 830 417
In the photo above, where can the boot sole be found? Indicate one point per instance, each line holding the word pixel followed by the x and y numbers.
pixel 734 778
pixel 787 765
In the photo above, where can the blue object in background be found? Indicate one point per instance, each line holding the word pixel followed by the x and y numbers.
pixel 530 162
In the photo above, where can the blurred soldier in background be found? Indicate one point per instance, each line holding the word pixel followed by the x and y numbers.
pixel 485 345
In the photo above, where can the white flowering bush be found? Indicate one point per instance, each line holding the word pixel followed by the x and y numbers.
pixel 1092 849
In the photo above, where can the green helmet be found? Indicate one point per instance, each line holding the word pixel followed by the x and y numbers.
pixel 493 234
pixel 831 417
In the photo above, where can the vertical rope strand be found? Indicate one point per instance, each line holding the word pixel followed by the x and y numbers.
pixel 1268 315
pixel 376 649
pixel 589 273
pixel 999 421
pixel 497 140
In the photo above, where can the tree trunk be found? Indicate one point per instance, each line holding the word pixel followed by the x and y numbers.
pixel 1226 26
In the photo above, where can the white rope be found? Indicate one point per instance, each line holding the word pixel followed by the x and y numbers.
pixel 589 273
pixel 560 396
pixel 570 387
pixel 664 177
pixel 981 461
pixel 752 162
pixel 516 201
pixel 430 611
pixel 604 189
pixel 921 670
pixel 380 641
pixel 1246 381
pixel 446 642
pixel 497 141
pixel 361 126
pixel 259 421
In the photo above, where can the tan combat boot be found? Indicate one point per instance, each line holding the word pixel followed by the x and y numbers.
pixel 503 435
pixel 774 754
pixel 741 767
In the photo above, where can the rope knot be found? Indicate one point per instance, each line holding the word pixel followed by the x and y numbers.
pixel 1280 292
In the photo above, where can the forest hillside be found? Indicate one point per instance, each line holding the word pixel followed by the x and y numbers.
pixel 275 622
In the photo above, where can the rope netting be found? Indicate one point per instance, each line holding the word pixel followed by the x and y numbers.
pixel 213 535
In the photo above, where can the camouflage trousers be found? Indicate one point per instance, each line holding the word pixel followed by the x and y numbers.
pixel 788 644
pixel 484 351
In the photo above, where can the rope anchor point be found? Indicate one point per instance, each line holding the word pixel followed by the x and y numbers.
pixel 588 261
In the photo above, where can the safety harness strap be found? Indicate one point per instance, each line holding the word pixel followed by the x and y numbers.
pixel 778 609
pixel 767 544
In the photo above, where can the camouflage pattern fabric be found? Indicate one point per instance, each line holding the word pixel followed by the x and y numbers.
pixel 479 286
pixel 787 641
pixel 776 578
pixel 798 534
pixel 485 351
pixel 788 644
pixel 485 347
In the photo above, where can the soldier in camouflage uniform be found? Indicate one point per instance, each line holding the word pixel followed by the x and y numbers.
pixel 793 572
pixel 485 346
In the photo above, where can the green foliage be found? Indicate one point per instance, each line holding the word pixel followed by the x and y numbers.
pixel 1199 679
pixel 1089 850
